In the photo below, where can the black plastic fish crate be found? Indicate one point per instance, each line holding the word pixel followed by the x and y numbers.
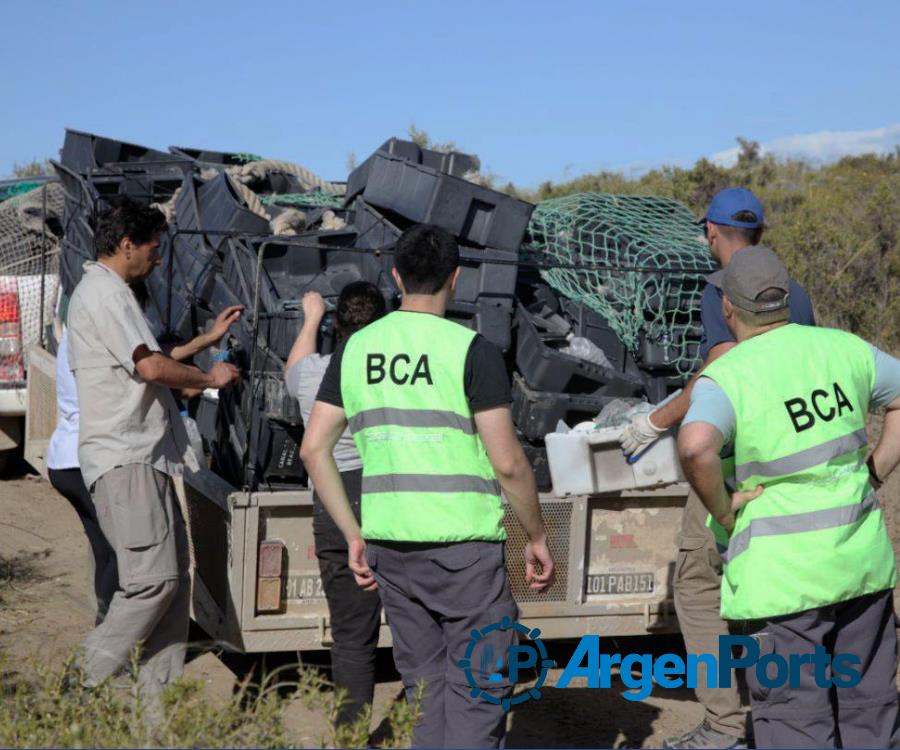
pixel 536 413
pixel 83 152
pixel 451 162
pixel 545 368
pixel 474 214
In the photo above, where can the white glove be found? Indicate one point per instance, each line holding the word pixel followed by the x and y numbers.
pixel 639 434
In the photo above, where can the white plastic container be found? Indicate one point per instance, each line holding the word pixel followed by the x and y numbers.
pixel 590 463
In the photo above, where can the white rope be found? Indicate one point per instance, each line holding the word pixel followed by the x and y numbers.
pixel 289 221
pixel 252 200
pixel 258 170
pixel 168 208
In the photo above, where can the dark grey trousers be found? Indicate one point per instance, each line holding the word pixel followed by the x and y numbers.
pixel 434 596
pixel 809 716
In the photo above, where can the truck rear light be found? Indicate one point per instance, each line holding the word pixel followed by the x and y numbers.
pixel 270 579
pixel 12 366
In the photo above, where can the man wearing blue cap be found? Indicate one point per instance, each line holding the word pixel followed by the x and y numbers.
pixel 734 221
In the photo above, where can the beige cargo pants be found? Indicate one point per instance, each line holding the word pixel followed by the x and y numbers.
pixel 698 578
pixel 139 514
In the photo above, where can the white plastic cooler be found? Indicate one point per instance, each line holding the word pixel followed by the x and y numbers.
pixel 589 463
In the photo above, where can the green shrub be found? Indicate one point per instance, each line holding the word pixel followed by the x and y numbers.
pixel 51 708
pixel 837 227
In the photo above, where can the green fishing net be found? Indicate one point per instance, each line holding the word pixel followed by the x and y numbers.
pixel 17 188
pixel 638 261
pixel 314 199
pixel 246 158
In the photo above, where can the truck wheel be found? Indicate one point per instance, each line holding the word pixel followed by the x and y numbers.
pixel 12 445
pixel 199 642
pixel 12 462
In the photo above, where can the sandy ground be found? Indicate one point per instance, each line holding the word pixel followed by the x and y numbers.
pixel 44 616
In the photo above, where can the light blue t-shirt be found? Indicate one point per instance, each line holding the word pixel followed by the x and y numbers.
pixel 710 404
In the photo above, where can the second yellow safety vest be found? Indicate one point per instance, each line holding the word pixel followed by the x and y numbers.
pixel 816 536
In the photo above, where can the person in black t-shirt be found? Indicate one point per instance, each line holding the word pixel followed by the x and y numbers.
pixel 434 544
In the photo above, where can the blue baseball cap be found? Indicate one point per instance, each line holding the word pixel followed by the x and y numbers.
pixel 732 201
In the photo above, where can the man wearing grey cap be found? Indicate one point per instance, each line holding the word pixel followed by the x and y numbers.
pixel 809 568
pixel 733 223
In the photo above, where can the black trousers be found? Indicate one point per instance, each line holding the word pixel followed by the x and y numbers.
pixel 355 614
pixel 810 716
pixel 70 484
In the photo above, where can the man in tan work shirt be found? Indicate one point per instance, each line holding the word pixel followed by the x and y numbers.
pixel 131 442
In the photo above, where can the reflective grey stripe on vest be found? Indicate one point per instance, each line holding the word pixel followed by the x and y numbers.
pixel 805 459
pixel 411 418
pixel 814 520
pixel 430 483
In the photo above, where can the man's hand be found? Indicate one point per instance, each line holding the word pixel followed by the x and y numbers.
pixel 313 306
pixel 738 501
pixel 183 351
pixel 537 554
pixel 356 559
pixel 223 374
pixel 639 434
pixel 223 322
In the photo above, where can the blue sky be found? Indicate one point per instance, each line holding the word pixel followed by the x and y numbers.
pixel 538 90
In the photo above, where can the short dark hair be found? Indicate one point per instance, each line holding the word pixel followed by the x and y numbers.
pixel 425 258
pixel 750 236
pixel 127 219
pixel 360 303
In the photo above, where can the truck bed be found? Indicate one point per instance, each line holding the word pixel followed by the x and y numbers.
pixel 615 554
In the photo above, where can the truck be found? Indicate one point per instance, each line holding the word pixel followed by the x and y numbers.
pixel 615 554
pixel 256 585
pixel 29 252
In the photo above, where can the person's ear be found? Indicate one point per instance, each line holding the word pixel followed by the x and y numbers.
pixel 454 277
pixel 127 247
pixel 727 307
pixel 398 281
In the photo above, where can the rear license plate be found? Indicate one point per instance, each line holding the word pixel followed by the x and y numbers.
pixel 305 587
pixel 615 584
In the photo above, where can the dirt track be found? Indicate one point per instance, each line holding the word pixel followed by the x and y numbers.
pixel 45 615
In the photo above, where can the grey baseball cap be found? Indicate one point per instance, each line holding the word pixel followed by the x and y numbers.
pixel 751 272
